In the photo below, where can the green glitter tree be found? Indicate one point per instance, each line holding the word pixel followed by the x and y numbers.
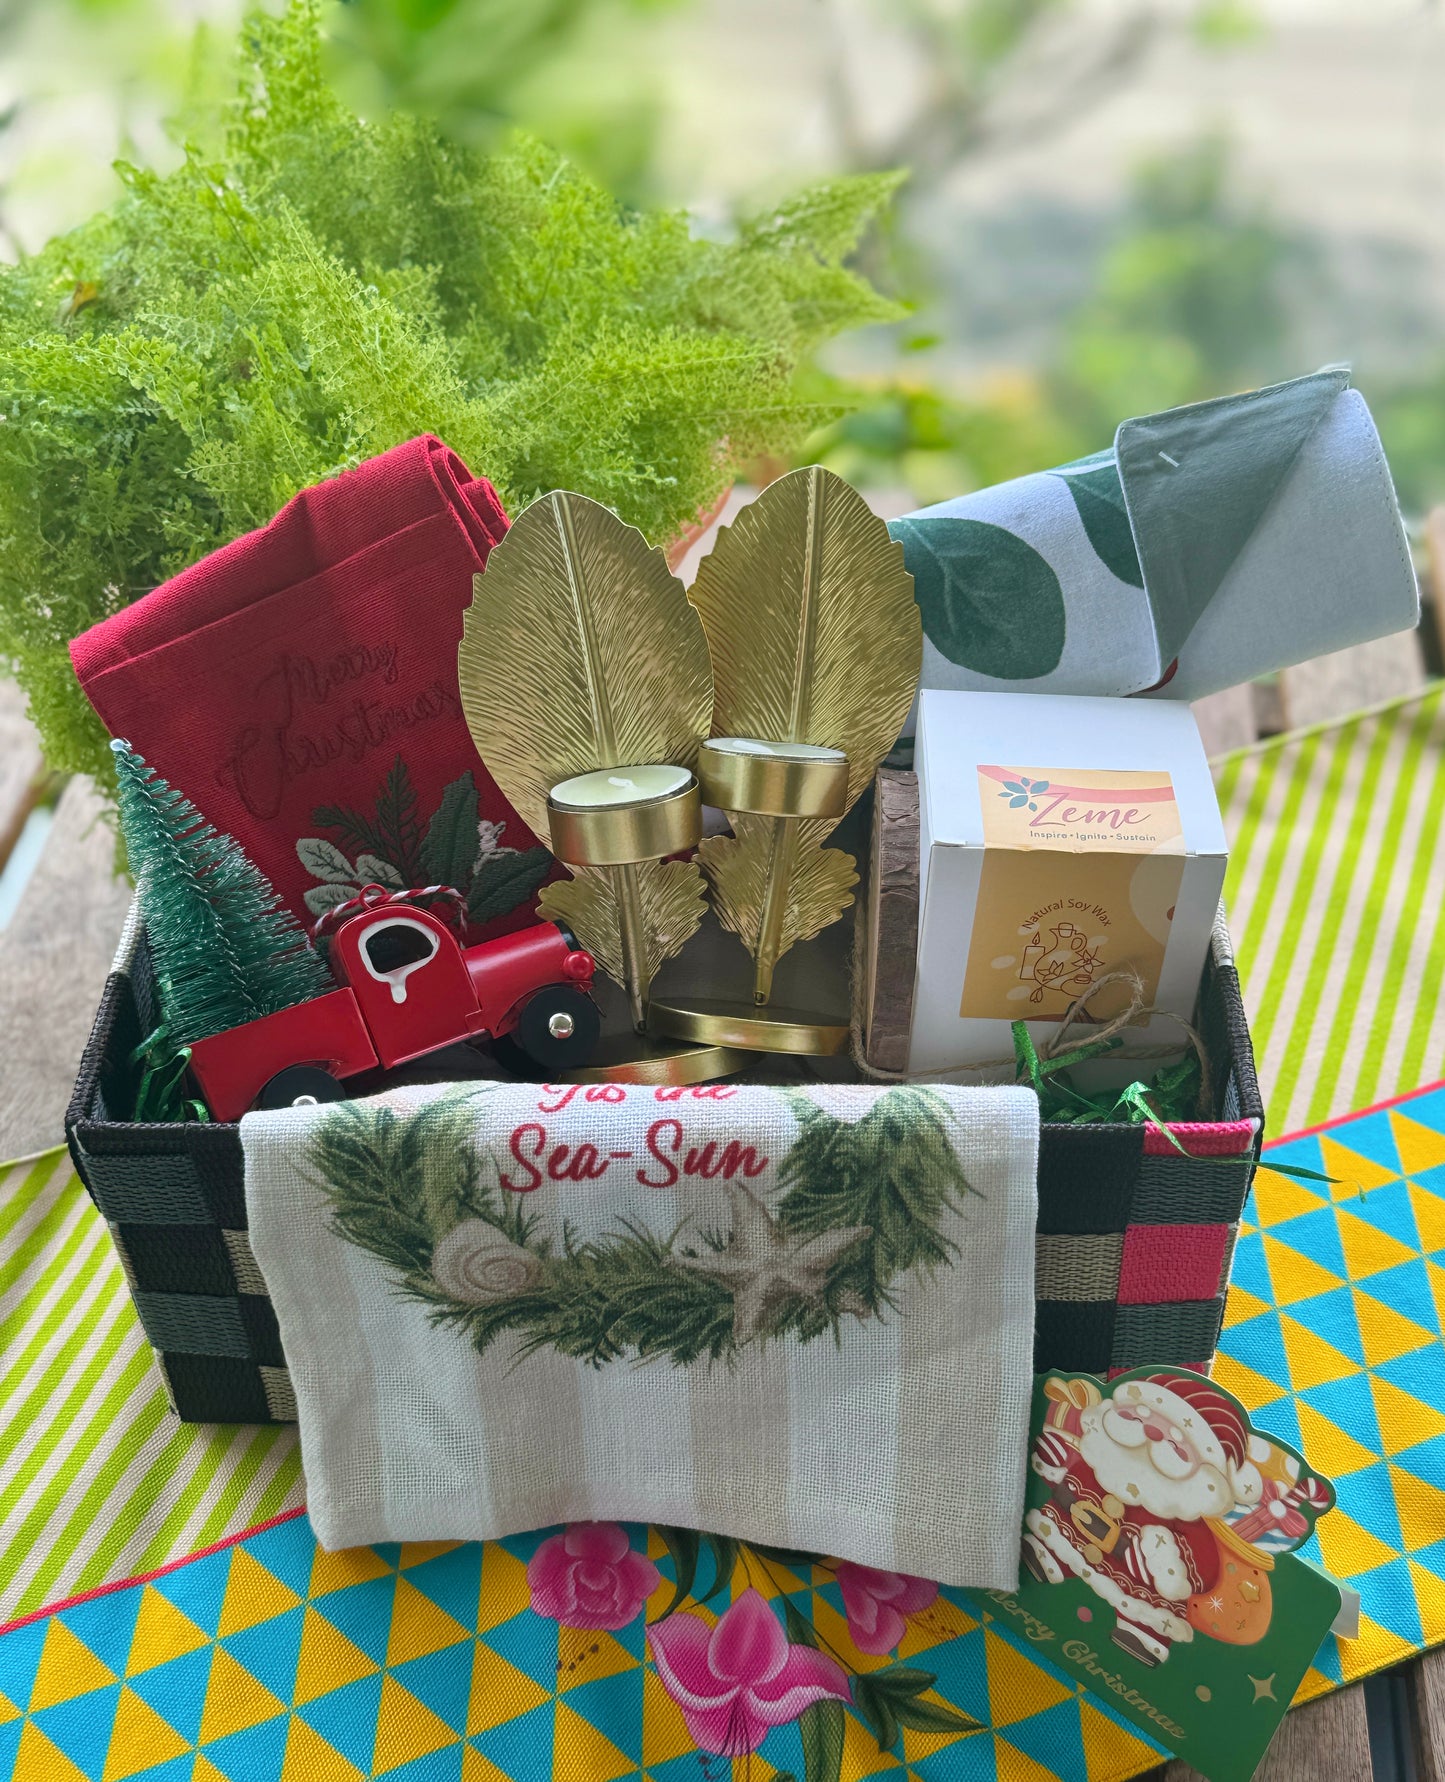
pixel 225 951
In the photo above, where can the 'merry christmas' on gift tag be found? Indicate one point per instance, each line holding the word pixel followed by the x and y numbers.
pixel 1159 1560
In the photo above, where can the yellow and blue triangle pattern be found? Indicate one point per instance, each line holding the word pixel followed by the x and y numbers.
pixel 1332 1341
pixel 273 1661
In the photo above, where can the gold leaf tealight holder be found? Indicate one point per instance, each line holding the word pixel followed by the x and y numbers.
pixel 788 782
pixel 815 641
pixel 613 820
pixel 581 651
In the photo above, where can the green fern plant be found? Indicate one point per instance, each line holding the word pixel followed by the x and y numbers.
pixel 309 288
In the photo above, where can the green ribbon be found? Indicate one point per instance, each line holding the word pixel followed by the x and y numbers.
pixel 160 1100
pixel 1171 1094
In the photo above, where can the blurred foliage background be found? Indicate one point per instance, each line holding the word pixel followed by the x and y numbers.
pixel 1112 205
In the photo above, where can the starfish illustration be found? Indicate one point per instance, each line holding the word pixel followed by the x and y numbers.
pixel 764 1266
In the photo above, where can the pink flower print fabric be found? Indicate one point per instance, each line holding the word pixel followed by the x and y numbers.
pixel 740 1678
pixel 590 1576
pixel 878 1604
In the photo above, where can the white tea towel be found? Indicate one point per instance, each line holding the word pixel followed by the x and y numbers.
pixel 802 1318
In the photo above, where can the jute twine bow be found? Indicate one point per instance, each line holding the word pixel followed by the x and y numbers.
pixel 1056 1052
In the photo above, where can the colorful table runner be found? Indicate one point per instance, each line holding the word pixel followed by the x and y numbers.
pixel 1332 1341
pixel 530 1659
pixel 280 1663
pixel 1336 900
pixel 98 1480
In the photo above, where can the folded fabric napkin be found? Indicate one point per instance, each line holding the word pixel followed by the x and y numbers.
pixel 299 685
pixel 1208 545
pixel 802 1318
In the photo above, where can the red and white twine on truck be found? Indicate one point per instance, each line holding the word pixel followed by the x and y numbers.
pixel 376 897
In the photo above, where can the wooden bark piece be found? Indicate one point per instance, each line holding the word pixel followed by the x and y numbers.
pixel 891 945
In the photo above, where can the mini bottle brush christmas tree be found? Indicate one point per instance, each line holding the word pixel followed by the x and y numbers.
pixel 224 949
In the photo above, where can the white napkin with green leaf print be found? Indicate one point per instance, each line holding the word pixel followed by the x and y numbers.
pixel 1207 546
pixel 800 1318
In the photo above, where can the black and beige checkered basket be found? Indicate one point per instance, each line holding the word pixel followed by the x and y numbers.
pixel 1134 1235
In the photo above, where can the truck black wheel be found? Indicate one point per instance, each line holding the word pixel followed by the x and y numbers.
pixel 558 1028
pixel 298 1085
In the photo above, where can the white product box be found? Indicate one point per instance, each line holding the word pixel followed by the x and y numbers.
pixel 1061 839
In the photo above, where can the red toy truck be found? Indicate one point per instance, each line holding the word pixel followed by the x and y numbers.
pixel 408 987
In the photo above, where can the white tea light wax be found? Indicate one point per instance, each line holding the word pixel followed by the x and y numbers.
pixel 610 788
pixel 781 751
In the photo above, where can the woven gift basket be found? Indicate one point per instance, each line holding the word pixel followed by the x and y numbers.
pixel 1134 1233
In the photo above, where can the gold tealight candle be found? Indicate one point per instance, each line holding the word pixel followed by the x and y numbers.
pixel 612 819
pixel 774 779
pixel 616 816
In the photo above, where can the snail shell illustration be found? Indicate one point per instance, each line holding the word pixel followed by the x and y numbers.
pixel 477 1264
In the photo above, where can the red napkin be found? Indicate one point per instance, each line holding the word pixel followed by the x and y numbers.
pixel 300 687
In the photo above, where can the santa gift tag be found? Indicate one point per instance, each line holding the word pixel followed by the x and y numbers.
pixel 1159 1565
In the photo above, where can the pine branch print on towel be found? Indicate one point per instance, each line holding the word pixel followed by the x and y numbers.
pixel 866 1186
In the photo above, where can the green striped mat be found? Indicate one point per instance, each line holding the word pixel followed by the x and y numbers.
pixel 1336 899
pixel 1336 893
pixel 98 1480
